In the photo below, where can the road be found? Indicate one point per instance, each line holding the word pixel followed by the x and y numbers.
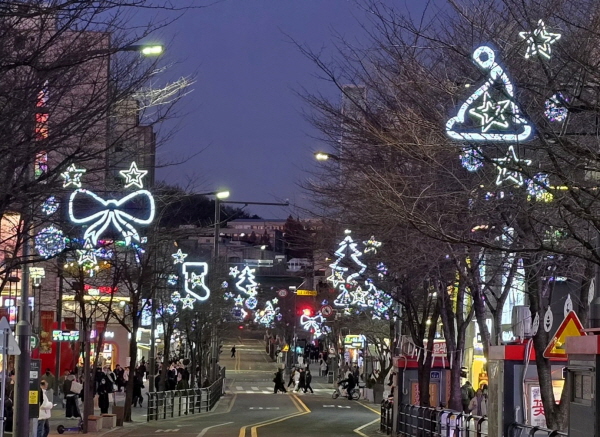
pixel 251 409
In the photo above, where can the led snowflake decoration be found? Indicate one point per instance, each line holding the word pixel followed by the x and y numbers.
pixel 539 41
pixel 471 159
pixel 224 284
pixel 251 303
pixel 538 186
pixel 50 241
pixel 172 279
pixel 50 205
pixel 171 309
pixel 555 109
pixel 175 297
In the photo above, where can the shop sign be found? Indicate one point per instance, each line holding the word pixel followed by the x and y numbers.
pixel 306 293
pixel 439 348
pixel 97 290
pixel 107 334
pixel 354 341
pixel 436 375
pixel 65 335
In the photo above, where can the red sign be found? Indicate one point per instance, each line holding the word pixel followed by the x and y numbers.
pixel 282 292
pixel 101 289
pixel 327 310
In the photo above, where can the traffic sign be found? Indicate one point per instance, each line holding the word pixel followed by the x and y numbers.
pixel 306 293
pixel 570 327
pixel 12 348
pixel 327 310
pixel 282 292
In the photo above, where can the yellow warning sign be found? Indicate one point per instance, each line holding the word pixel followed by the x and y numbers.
pixel 33 397
pixel 286 348
pixel 306 293
pixel 570 327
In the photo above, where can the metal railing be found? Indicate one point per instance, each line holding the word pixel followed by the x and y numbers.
pixel 387 417
pixel 416 421
pixel 176 403
pixel 520 430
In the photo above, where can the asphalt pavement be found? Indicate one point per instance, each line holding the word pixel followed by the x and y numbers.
pixel 251 409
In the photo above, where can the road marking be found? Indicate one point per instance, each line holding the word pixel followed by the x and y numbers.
pixel 369 408
pixel 344 406
pixel 328 406
pixel 166 430
pixel 253 427
pixel 263 408
pixel 358 430
pixel 210 427
pixel 254 388
pixel 266 391
pixel 239 388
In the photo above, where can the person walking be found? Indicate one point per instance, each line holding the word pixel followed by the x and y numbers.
pixel 50 380
pixel 71 394
pixel 105 387
pixel 297 379
pixel 302 381
pixel 43 428
pixel 233 352
pixel 466 394
pixel 138 385
pixel 292 377
pixel 307 381
pixel 478 405
pixel 323 367
pixel 119 375
pixel 279 382
pixel 351 384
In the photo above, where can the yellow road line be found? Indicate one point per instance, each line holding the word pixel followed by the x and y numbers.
pixel 369 408
pixel 358 430
pixel 300 406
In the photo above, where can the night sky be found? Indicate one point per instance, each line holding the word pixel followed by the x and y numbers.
pixel 243 109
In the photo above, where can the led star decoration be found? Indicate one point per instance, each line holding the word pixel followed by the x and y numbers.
pixel 509 167
pixel 539 41
pixel 87 256
pixel 371 245
pixel 233 271
pixel 133 176
pixel 359 297
pixel 179 257
pixel 238 301
pixel 72 176
pixel 500 121
pixel 336 278
pixel 188 302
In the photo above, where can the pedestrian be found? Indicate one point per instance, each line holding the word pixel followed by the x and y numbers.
pixel 70 390
pixel 104 389
pixel 323 367
pixel 43 428
pixel 279 382
pixel 182 383
pixel 50 380
pixel 138 385
pixel 292 377
pixel 466 394
pixel 478 405
pixel 307 381
pixel 119 375
pixel 297 379
pixel 302 381
pixel 233 352
pixel 351 384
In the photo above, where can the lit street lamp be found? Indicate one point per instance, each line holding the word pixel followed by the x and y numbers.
pixel 146 50
pixel 323 156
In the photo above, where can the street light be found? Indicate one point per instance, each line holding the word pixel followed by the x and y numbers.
pixel 219 195
pixel 323 156
pixel 146 50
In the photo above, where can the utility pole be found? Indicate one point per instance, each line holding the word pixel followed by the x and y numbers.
pixel 23 361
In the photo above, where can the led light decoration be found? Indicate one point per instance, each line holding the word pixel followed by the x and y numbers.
pixel 345 247
pixel 72 176
pixel 500 120
pixel 224 284
pixel 133 176
pixel 228 295
pixel 344 299
pixel 233 271
pixel 239 313
pixel 50 241
pixel 188 302
pixel 538 186
pixel 172 279
pixel 179 257
pixel 555 108
pixel 246 284
pixel 175 297
pixel 194 274
pixel 238 300
pixel 111 213
pixel 267 316
pixel 382 270
pixel 87 256
pixel 471 159
pixel 251 303
pixel 50 205
pixel 312 324
pixel 371 245
pixel 171 309
pixel 539 41
pixel 359 297
pixel 509 168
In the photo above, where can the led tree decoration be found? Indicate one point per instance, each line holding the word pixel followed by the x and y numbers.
pixel 539 41
pixel 267 316
pixel 347 249
pixel 50 241
pixel 246 285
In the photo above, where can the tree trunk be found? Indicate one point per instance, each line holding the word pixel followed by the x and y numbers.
pixel 88 383
pixel 132 372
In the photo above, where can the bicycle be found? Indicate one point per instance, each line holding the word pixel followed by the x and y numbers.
pixel 355 393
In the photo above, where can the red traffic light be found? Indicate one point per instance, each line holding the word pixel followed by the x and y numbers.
pixel 307 311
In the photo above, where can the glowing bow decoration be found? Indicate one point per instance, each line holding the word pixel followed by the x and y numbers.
pixel 111 214
pixel 312 323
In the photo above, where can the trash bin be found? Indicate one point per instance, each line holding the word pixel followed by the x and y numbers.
pixel 330 377
pixel 120 413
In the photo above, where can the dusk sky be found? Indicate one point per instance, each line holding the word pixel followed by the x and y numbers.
pixel 243 109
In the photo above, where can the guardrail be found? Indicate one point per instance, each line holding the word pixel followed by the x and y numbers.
pixel 415 420
pixel 175 403
pixel 387 417
pixel 520 430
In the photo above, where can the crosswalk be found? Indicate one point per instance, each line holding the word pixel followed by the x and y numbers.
pixel 239 389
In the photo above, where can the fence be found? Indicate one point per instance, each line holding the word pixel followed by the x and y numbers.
pixel 519 430
pixel 175 403
pixel 387 417
pixel 416 421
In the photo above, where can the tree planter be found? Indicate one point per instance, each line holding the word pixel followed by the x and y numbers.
pixel 368 394
pixel 378 393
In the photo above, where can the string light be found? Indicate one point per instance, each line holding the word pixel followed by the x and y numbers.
pixel 50 241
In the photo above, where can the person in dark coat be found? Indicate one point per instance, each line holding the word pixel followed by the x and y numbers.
pixel 104 389
pixel 351 384
pixel 308 379
pixel 138 385
pixel 71 398
pixel 279 382
pixel 302 380
pixel 119 375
